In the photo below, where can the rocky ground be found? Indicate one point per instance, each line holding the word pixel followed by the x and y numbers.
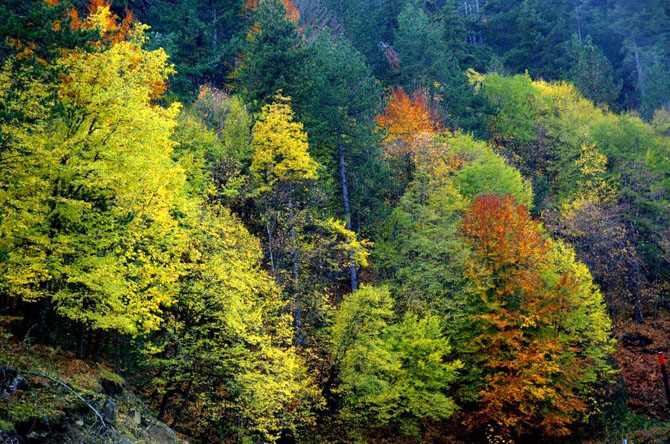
pixel 48 396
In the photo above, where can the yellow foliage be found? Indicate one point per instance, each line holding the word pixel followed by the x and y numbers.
pixel 280 147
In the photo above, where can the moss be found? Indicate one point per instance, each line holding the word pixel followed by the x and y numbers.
pixel 6 426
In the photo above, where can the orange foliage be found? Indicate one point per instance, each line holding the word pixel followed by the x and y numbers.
pixel 292 12
pixel 114 28
pixel 405 118
pixel 528 371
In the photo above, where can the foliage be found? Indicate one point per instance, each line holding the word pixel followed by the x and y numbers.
pixel 100 230
pixel 280 147
pixel 390 373
pixel 223 360
pixel 528 353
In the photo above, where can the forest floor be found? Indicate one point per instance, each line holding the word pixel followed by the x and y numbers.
pixel 48 396
pixel 637 354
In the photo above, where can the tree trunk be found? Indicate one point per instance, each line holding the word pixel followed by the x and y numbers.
pixel 80 343
pixel 117 364
pixel 164 403
pixel 638 67
pixel 297 302
pixel 579 25
pixel 215 29
pixel 272 259
pixel 347 211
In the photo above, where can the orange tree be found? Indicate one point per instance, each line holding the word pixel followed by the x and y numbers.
pixel 536 337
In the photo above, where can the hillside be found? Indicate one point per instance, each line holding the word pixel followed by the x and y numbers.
pixel 334 221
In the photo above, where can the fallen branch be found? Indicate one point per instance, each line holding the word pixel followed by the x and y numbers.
pixel 73 391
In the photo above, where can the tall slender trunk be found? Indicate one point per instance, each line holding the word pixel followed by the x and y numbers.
pixel 117 364
pixel 638 67
pixel 579 25
pixel 80 343
pixel 297 302
pixel 270 240
pixel 215 37
pixel 347 212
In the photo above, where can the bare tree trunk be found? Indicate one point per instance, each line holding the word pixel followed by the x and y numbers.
pixel 297 302
pixel 117 364
pixel 638 67
pixel 215 37
pixel 347 211
pixel 272 260
pixel 579 25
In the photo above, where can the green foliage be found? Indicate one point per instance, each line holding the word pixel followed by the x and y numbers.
pixel 390 373
pixel 201 38
pixel 592 72
pixel 490 173
pixel 273 56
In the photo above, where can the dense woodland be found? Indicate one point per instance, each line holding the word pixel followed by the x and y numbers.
pixel 345 220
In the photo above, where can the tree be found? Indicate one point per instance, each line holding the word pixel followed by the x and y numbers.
pixel 419 249
pixel 36 30
pixel 102 224
pixel 283 176
pixel 272 57
pixel 427 63
pixel 404 118
pixel 389 373
pixel 592 72
pixel 534 342
pixel 339 120
pixel 280 147
pixel 222 366
pixel 645 33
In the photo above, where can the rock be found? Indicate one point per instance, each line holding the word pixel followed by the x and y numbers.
pixel 108 411
pixel 10 383
pixel 137 417
pixel 73 434
pixel 111 387
pixel 10 438
pixel 161 434
pixel 637 340
pixel 36 437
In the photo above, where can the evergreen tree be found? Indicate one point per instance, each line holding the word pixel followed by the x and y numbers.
pixel 273 56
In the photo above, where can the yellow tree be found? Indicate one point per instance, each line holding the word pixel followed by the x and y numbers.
pixel 99 237
pixel 284 175
pixel 280 147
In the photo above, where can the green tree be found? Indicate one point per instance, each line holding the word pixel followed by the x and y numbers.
pixel 222 365
pixel 592 72
pixel 340 122
pixel 389 373
pixel 272 56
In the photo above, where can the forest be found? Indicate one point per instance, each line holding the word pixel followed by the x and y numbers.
pixel 334 221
